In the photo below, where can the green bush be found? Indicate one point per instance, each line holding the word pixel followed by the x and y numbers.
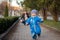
pixel 5 23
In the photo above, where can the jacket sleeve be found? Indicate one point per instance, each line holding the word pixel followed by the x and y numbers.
pixel 28 21
pixel 39 19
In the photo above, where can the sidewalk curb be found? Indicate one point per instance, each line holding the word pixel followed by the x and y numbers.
pixel 2 35
pixel 52 28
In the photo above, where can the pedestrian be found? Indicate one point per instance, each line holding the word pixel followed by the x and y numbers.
pixel 24 17
pixel 34 21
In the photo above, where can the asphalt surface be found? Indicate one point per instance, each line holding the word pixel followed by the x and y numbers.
pixel 22 32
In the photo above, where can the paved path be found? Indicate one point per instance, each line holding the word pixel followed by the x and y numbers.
pixel 21 32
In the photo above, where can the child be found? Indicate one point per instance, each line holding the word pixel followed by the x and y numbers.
pixel 34 21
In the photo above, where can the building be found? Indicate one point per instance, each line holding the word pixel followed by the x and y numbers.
pixel 14 10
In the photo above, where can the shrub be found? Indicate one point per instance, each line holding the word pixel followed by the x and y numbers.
pixel 5 23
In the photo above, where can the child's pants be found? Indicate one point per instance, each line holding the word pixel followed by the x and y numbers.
pixel 35 31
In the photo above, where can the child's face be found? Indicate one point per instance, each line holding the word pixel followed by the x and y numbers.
pixel 33 14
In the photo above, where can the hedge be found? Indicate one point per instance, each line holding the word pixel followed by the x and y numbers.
pixel 5 23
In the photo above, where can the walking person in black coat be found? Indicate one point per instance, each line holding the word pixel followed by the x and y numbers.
pixel 24 17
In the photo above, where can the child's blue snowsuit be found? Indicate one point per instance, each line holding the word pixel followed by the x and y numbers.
pixel 34 25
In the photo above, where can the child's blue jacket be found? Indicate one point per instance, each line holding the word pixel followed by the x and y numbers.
pixel 34 23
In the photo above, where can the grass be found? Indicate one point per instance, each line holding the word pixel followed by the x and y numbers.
pixel 52 24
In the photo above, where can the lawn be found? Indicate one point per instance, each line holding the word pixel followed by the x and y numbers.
pixel 52 24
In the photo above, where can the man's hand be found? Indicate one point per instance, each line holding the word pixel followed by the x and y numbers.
pixel 21 20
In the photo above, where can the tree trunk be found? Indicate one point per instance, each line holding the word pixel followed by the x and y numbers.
pixel 55 16
pixel 44 14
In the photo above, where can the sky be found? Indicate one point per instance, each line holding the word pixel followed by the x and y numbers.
pixel 13 3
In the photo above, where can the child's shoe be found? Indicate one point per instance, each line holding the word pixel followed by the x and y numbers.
pixel 39 35
pixel 34 37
